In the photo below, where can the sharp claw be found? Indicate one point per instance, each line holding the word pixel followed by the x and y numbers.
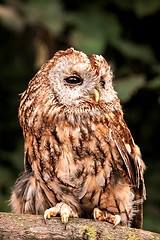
pixel 97 214
pixel 94 214
pixel 46 215
pixel 64 218
pixel 117 220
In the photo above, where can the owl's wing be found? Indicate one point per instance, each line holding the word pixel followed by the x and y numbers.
pixel 131 157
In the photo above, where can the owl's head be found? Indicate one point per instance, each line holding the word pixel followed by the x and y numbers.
pixel 75 77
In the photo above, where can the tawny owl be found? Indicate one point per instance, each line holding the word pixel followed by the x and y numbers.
pixel 80 158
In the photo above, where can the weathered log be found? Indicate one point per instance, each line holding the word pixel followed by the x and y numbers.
pixel 18 226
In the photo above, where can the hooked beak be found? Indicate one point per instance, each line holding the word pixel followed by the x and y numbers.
pixel 96 95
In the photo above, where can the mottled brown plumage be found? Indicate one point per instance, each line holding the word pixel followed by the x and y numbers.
pixel 78 149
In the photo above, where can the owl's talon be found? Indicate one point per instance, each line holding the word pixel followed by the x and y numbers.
pixel 46 215
pixel 63 209
pixel 64 218
pixel 117 220
pixel 66 212
pixel 98 214
pixel 114 219
pixel 49 212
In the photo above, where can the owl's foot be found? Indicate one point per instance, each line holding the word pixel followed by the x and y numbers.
pixel 62 209
pixel 104 215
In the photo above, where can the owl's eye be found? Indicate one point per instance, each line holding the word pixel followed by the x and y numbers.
pixel 102 83
pixel 73 80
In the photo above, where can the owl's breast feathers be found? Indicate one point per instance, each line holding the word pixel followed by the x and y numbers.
pixel 78 153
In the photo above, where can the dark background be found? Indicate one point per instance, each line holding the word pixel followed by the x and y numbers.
pixel 125 32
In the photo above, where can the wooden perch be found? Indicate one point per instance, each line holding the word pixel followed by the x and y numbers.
pixel 14 226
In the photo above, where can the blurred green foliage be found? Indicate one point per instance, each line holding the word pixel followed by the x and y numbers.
pixel 125 32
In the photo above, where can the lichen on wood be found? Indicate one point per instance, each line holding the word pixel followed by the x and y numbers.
pixel 18 226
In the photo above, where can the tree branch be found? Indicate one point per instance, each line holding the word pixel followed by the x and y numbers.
pixel 18 226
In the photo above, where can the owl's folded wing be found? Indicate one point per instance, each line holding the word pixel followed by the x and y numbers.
pixel 131 156
pixel 128 150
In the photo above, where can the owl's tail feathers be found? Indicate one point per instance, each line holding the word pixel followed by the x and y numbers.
pixel 28 196
pixel 140 197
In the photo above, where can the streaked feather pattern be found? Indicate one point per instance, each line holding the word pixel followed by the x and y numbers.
pixel 78 149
